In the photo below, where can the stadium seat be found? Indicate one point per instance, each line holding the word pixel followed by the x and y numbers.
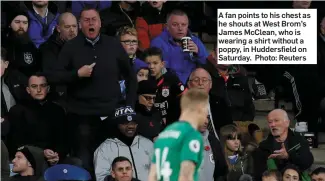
pixel 66 172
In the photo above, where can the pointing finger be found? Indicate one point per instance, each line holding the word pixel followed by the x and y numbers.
pixel 92 65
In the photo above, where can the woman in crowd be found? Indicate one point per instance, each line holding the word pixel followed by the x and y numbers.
pixel 239 163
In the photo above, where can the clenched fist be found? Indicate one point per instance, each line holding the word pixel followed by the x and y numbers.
pixel 86 70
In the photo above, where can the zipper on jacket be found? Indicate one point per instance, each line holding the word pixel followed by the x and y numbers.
pixel 135 168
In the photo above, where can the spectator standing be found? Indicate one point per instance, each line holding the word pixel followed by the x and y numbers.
pixel 121 170
pixel 219 113
pixel 127 143
pixel 29 164
pixel 91 65
pixel 170 88
pixel 151 22
pixel 38 122
pixel 169 41
pixel 78 6
pixel 129 40
pixel 121 13
pixel 43 19
pixel 150 124
pixel 214 165
pixel 283 145
pixel 230 82
pixel 22 52
pixel 66 30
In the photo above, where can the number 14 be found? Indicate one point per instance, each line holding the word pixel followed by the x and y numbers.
pixel 162 166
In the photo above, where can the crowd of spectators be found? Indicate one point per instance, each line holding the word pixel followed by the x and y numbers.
pixel 93 83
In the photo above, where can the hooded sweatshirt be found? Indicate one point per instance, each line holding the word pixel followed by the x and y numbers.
pixel 139 153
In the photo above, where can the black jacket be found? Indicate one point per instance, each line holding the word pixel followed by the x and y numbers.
pixel 297 148
pixel 23 54
pixel 50 51
pixel 99 94
pixel 235 92
pixel 221 114
pixel 115 17
pixel 150 124
pixel 41 125
pixel 16 83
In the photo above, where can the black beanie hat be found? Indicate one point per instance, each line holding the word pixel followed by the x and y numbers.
pixel 34 155
pixel 147 87
pixel 12 15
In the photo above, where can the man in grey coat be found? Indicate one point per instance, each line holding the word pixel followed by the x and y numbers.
pixel 127 143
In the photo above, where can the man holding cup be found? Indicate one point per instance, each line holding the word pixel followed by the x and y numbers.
pixel 182 51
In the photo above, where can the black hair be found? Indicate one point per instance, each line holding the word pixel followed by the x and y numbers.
pixel 274 173
pixel 318 170
pixel 37 74
pixel 119 159
pixel 153 51
pixel 292 167
pixel 4 55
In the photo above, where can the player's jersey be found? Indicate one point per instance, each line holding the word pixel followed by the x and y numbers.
pixel 177 143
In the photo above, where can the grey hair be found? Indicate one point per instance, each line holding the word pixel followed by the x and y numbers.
pixel 176 12
pixel 191 75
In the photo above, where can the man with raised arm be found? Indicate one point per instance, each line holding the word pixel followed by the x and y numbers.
pixel 179 148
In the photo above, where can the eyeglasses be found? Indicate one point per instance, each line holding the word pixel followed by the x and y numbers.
pixel 198 80
pixel 149 98
pixel 130 42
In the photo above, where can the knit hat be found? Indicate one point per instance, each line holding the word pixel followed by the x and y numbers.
pixel 125 115
pixel 138 65
pixel 35 156
pixel 147 87
pixel 12 15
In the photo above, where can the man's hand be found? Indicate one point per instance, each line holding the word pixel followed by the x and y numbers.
pixel 86 70
pixel 193 47
pixel 51 156
pixel 2 120
pixel 280 154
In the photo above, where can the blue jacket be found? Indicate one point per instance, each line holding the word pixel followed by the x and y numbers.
pixel 175 59
pixel 40 29
pixel 77 6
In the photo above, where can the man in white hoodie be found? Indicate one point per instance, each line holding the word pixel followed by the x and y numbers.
pixel 127 143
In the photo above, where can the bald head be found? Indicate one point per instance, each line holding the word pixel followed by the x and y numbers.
pixel 67 26
pixel 278 122
pixel 200 78
pixel 64 16
pixel 281 113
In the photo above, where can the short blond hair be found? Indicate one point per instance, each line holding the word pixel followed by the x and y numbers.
pixel 127 30
pixel 192 98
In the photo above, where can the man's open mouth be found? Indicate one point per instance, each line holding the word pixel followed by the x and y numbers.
pixel 91 30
